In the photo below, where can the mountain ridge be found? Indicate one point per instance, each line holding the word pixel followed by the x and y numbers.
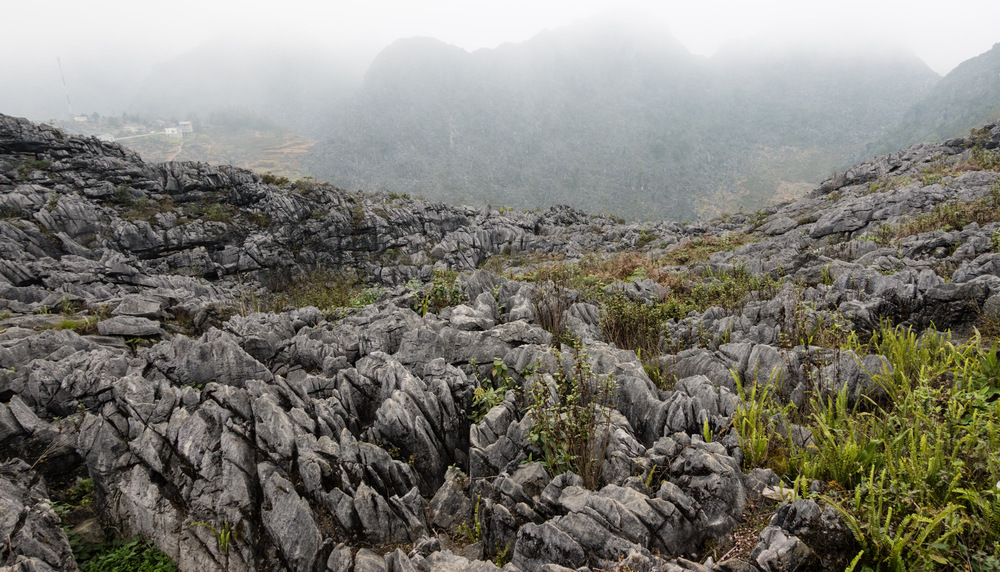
pixel 641 123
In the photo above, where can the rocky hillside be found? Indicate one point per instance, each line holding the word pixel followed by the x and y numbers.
pixel 267 375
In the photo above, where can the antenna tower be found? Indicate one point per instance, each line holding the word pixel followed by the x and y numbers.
pixel 66 89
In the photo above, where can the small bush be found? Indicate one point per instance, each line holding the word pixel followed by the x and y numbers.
pixel 634 324
pixel 272 179
pixel 442 293
pixel 645 237
pixel 551 302
pixel 123 196
pixel 490 391
pixel 572 417
pixel 729 289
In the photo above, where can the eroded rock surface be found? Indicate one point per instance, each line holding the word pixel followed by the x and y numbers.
pixel 328 442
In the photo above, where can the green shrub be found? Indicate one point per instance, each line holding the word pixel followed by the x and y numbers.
pixel 635 324
pixel 572 417
pixel 490 391
pixel 321 287
pixel 729 289
pixel 442 293
pixel 645 237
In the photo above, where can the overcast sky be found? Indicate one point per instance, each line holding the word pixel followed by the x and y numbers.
pixel 108 47
pixel 942 33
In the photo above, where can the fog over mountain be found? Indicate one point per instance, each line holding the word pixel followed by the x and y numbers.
pixel 297 86
pixel 610 116
pixel 610 113
pixel 967 97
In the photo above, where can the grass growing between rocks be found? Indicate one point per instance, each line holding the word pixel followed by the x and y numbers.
pixel 915 475
pixel 330 291
pixel 955 215
pixel 701 249
pixel 637 324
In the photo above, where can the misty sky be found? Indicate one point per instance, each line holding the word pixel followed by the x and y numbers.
pixel 942 33
pixel 128 37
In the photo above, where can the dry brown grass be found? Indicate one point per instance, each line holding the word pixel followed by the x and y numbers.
pixel 700 249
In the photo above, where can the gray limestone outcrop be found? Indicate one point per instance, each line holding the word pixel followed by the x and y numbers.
pixel 396 435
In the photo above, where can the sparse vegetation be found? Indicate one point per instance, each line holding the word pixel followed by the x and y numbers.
pixel 25 168
pixel 211 211
pixel 490 391
pixel 636 325
pixel 326 289
pixel 442 292
pixel 272 179
pixel 762 446
pixel 128 555
pixel 952 215
pixel 146 209
pixel 571 410
pixel 645 237
pixel 700 249
pixel 551 301
pixel 915 475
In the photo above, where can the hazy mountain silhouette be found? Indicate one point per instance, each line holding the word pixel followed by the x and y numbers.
pixel 614 117
pixel 967 97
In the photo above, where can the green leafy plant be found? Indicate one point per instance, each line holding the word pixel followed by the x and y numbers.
pixel 442 293
pixel 128 555
pixel 490 392
pixel 571 414
pixel 757 438
pixel 918 469
pixel 475 532
pixel 222 535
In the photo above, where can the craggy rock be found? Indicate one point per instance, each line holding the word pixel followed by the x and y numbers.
pixel 803 536
pixel 133 349
pixel 34 540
